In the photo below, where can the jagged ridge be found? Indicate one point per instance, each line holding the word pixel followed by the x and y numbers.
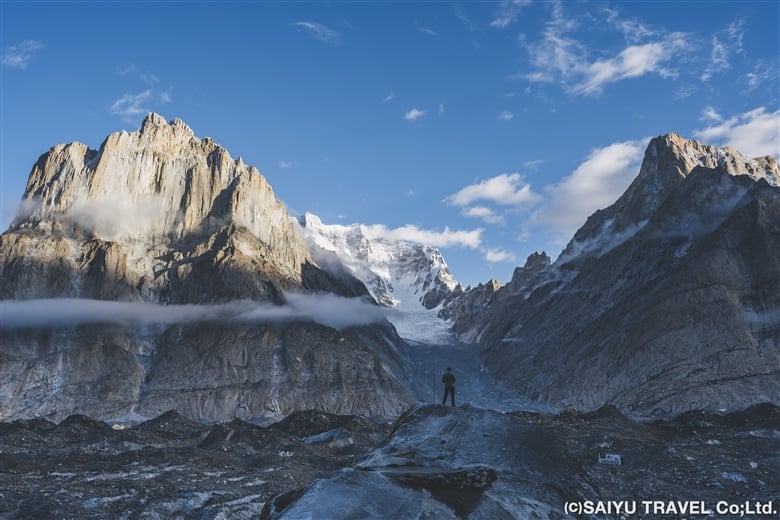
pixel 663 302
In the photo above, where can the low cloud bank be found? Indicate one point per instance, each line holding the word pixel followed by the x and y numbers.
pixel 325 309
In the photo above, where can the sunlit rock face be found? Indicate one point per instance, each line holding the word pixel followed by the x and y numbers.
pixel 161 216
pixel 666 301
pixel 150 209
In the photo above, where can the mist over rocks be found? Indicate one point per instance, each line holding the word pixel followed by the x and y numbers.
pixel 664 302
pixel 161 250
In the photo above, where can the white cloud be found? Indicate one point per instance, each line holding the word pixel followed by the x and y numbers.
pixel 755 133
pixel 632 62
pixel 111 218
pixel 285 164
pixel 725 43
pixel 389 97
pixel 425 30
pixel 633 30
pixel 442 108
pixel 710 114
pixel 149 78
pixel 325 309
pixel 484 213
pixel 165 97
pixel 320 32
pixel 561 59
pixel 507 13
pixel 414 114
pixel 505 115
pixel 507 189
pixel 596 183
pixel 533 165
pixel 19 56
pixel 685 92
pixel 446 238
pixel 131 104
pixel 498 255
pixel 762 71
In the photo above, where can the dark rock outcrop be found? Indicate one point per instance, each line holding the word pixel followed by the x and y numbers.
pixel 472 463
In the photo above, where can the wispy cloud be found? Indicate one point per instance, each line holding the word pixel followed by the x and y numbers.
pixel 755 133
pixel 285 164
pixel 762 71
pixel 484 213
pixel 414 114
pixel 632 29
pixel 320 32
pixel 632 62
pixel 507 13
pixel 507 189
pixel 108 218
pixel 446 238
pixel 596 183
pixel 388 97
pixel 19 56
pixel 130 105
pixel 685 91
pixel 725 43
pixel 425 30
pixel 325 309
pixel 533 165
pixel 505 115
pixel 461 15
pixel 560 58
pixel 710 114
pixel 498 255
pixel 126 70
pixel 149 78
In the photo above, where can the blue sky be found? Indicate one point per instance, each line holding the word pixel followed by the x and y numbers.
pixel 490 130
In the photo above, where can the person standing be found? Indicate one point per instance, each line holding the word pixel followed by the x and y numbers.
pixel 449 386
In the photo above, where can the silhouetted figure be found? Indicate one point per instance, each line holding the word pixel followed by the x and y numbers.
pixel 449 386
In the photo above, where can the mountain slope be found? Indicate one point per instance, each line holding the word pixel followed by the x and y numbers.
pixel 665 301
pixel 161 217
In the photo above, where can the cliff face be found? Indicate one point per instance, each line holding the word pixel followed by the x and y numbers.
pixel 665 301
pixel 160 216
pixel 153 209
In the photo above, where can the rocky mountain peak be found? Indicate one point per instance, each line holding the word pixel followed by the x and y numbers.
pixel 168 227
pixel 668 161
pixel 154 197
pixel 396 272
pixel 534 264
pixel 663 302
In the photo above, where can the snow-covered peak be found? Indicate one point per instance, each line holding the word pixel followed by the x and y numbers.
pixel 412 278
